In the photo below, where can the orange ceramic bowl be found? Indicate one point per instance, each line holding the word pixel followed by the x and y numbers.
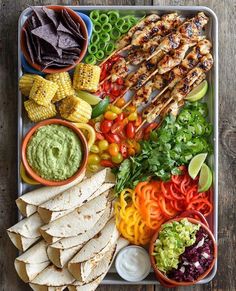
pixel 50 70
pixel 33 174
pixel 163 279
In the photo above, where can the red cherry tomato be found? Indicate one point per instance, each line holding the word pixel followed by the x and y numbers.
pixel 107 163
pixel 106 86
pixel 120 117
pixel 99 136
pixel 130 130
pixel 138 121
pixel 120 81
pixel 150 127
pixel 124 150
pixel 117 127
pixel 106 125
pixel 112 138
pixel 139 135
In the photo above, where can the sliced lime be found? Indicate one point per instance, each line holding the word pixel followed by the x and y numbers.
pixel 198 92
pixel 90 98
pixel 196 164
pixel 101 107
pixel 205 179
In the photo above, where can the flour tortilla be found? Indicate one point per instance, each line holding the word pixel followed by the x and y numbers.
pixel 62 251
pixel 53 277
pixel 26 232
pixel 36 287
pixel 28 203
pixel 94 251
pixel 76 196
pixel 78 221
pixel 97 275
pixel 27 272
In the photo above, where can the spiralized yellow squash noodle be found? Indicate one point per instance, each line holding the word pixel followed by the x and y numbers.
pixel 129 221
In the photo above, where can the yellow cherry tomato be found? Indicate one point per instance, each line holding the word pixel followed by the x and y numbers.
pixel 133 116
pixel 131 108
pixel 93 159
pixel 117 159
pixel 94 149
pixel 120 102
pixel 103 145
pixel 105 156
pixel 115 109
pixel 113 149
pixel 131 151
pixel 93 168
pixel 110 115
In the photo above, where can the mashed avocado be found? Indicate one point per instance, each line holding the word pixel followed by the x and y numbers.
pixel 171 243
pixel 54 152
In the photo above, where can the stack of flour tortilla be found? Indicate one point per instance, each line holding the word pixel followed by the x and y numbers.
pixel 68 236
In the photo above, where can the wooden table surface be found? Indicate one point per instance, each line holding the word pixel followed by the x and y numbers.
pixel 226 11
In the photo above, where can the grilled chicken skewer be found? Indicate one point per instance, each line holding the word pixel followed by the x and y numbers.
pixel 125 42
pixel 180 91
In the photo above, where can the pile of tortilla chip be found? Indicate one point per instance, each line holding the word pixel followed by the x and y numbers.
pixel 53 38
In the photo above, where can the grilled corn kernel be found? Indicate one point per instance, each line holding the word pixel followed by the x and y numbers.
pixel 38 112
pixel 75 109
pixel 86 77
pixel 64 84
pixel 43 91
pixel 26 83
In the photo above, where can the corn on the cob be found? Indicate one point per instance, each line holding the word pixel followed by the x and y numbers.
pixel 26 83
pixel 38 112
pixel 64 84
pixel 86 77
pixel 43 91
pixel 75 109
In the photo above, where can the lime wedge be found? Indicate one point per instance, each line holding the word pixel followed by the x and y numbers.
pixel 195 165
pixel 89 98
pixel 198 92
pixel 205 179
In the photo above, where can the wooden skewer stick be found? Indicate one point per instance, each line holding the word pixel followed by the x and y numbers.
pixel 154 54
pixel 116 52
pixel 126 90
pixel 127 104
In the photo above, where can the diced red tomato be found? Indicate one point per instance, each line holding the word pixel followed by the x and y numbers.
pixel 106 125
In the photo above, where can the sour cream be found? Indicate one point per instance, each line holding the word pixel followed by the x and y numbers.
pixel 133 263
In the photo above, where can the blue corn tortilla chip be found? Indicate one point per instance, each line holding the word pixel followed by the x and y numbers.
pixel 48 49
pixel 71 25
pixel 62 28
pixel 47 33
pixel 41 15
pixel 66 40
pixel 52 15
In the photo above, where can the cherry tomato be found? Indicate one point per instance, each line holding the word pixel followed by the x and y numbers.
pixel 117 159
pixel 112 138
pixel 133 116
pixel 113 149
pixel 150 127
pixel 99 136
pixel 110 115
pixel 105 156
pixel 115 90
pixel 106 163
pixel 131 108
pixel 93 159
pixel 130 130
pixel 105 126
pixel 115 109
pixel 120 81
pixel 131 151
pixel 94 149
pixel 106 86
pixel 120 102
pixel 124 150
pixel 117 127
pixel 93 168
pixel 103 145
pixel 139 135
pixel 120 117
pixel 138 121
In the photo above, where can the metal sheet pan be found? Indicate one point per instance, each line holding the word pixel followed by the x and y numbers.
pixel 212 33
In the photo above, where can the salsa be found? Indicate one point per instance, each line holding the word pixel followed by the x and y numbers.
pixel 54 152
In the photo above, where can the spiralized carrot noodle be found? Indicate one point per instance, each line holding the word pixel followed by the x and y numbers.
pixel 129 220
